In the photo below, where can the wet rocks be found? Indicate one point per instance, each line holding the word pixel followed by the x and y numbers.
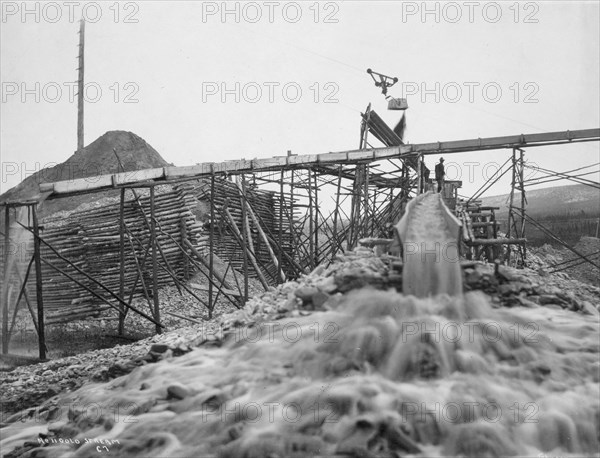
pixel 525 287
pixel 305 293
pixel 311 297
pixel 159 348
pixel 512 288
pixel 177 391
pixel 319 299
pixel 356 278
pixel 527 303
pixel 546 299
pixel 28 386
pixel 480 277
pixel 588 309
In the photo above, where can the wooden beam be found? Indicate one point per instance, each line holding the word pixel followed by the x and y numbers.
pixel 176 315
pixel 121 327
pixel 183 236
pixel 511 141
pixel 484 242
pixel 5 334
pixel 38 280
pixel 246 249
pixel 154 243
pixel 86 275
pixel 230 292
pixel 211 247
pixel 84 185
pixel 265 240
pixel 80 86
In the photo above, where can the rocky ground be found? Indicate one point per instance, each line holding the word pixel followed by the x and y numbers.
pixel 70 367
pixel 566 264
pixel 29 386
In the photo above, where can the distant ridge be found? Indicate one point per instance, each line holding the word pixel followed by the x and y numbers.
pixel 569 212
pixel 570 199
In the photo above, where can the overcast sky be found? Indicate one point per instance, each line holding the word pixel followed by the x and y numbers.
pixel 298 72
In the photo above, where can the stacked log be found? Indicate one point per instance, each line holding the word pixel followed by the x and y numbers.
pixel 267 207
pixel 90 240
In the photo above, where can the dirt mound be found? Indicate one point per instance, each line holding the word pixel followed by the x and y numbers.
pixel 95 159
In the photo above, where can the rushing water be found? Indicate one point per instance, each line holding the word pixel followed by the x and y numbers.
pixel 430 250
pixel 379 373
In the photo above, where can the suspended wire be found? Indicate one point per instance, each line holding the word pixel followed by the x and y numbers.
pixel 570 179
pixel 553 177
pixel 490 182
pixel 581 168
pixel 361 70
pixel 463 105
pixel 567 171
pixel 551 173
pixel 569 261
pixel 285 42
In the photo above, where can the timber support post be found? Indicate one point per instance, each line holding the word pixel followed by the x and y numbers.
pixel 122 261
pixel 281 203
pixel 516 214
pixel 154 262
pixel 211 238
pixel 311 229
pixel 185 260
pixel 38 282
pixel 80 85
pixel 316 223
pixel 523 199
pixel 419 174
pixel 336 236
pixel 244 238
pixel 5 280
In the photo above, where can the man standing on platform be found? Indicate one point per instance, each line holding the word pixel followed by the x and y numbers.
pixel 439 174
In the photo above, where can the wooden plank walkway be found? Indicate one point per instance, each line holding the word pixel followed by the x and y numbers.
pixel 165 174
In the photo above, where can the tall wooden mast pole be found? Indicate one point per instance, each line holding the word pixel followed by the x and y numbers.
pixel 80 86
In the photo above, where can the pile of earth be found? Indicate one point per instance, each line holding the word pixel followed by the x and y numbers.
pixel 113 152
